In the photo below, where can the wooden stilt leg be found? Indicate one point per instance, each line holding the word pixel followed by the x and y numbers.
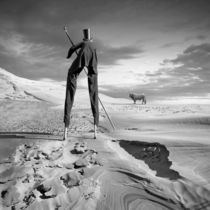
pixel 95 131
pixel 65 133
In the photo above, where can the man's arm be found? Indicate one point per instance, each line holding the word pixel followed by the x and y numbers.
pixel 73 49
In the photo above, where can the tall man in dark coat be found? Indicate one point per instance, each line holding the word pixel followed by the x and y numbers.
pixel 87 58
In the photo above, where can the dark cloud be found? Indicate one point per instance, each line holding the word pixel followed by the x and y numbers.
pixel 201 37
pixel 194 57
pixel 191 71
pixel 42 68
pixel 197 37
pixel 40 25
pixel 36 60
pixel 43 21
pixel 188 15
pixel 32 60
pixel 190 38
pixel 171 44
pixel 188 75
pixel 109 55
pixel 203 48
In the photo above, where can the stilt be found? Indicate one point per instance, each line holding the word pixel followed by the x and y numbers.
pixel 65 133
pixel 95 131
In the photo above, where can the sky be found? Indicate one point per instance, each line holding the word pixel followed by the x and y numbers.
pixel 157 47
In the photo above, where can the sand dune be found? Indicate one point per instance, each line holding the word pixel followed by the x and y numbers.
pixel 14 87
pixel 17 88
pixel 157 158
pixel 91 175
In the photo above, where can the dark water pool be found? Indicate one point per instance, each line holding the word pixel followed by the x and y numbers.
pixel 9 145
pixel 9 142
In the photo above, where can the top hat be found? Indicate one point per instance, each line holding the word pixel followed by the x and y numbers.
pixel 86 33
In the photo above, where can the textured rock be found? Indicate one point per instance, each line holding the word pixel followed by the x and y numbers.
pixel 80 148
pixel 71 179
pixel 10 196
pixel 43 188
pixel 68 165
pixel 81 163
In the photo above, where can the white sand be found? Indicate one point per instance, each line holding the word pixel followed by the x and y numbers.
pixel 157 158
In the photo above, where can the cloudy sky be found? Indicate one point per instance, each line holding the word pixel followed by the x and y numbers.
pixel 159 47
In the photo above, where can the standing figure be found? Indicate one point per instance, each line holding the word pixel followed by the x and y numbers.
pixel 86 58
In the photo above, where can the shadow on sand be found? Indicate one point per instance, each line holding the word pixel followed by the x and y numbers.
pixel 155 155
pixel 30 135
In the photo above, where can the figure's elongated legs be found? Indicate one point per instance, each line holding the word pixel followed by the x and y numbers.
pixel 70 92
pixel 93 92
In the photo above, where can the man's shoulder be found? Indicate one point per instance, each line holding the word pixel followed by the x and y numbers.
pixel 90 44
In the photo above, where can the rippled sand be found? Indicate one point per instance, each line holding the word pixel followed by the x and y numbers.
pixel 157 158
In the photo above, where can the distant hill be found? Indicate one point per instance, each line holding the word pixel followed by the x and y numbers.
pixel 17 88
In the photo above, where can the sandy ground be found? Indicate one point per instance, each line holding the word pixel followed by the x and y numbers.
pixel 157 157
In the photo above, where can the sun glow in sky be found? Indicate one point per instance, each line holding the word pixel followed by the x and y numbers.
pixel 159 47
